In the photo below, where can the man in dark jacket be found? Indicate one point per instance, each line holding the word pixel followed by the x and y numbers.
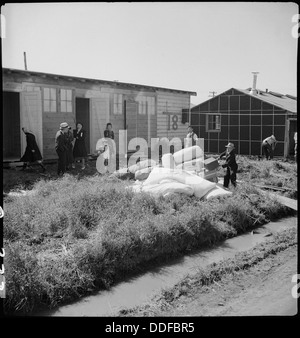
pixel 230 164
pixel 61 147
pixel 32 151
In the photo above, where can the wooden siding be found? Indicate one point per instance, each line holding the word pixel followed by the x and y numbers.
pixel 152 125
pixel 131 109
pixel 101 108
pixel 31 118
pixel 171 103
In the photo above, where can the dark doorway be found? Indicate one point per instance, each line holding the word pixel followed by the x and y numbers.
pixel 292 131
pixel 131 111
pixel 83 116
pixel 11 126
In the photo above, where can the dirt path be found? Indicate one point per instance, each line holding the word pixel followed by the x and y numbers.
pixel 264 289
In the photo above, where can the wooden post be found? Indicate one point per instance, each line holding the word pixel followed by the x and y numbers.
pixel 25 63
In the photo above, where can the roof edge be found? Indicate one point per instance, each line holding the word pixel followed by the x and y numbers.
pixel 213 98
pixel 243 92
pixel 116 83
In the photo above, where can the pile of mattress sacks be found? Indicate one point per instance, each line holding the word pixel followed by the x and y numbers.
pixel 180 173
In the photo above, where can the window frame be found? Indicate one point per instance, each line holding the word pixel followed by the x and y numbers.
pixel 118 105
pixel 66 100
pixel 143 106
pixel 208 129
pixel 147 105
pixel 50 100
pixel 151 103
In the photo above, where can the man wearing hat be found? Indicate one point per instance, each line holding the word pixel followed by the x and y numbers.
pixel 191 136
pixel 230 164
pixel 268 146
pixel 61 147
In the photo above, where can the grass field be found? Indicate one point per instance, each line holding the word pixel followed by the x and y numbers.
pixel 76 234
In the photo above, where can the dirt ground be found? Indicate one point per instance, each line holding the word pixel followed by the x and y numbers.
pixel 262 290
pixel 14 178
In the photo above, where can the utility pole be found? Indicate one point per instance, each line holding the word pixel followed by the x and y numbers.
pixel 213 94
pixel 25 63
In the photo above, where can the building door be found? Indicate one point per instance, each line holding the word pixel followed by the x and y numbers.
pixel 131 120
pixel 83 116
pixel 11 126
pixel 292 131
pixel 99 118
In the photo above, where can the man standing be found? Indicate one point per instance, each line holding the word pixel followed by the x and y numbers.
pixel 268 146
pixel 230 164
pixel 61 147
pixel 191 136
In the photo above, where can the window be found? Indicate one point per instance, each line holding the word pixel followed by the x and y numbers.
pixel 66 100
pixel 151 105
pixel 213 122
pixel 142 105
pixel 50 99
pixel 146 104
pixel 118 104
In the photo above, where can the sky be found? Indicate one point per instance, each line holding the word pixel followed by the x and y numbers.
pixel 195 46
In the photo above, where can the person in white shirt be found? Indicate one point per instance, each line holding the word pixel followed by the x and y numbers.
pixel 191 135
pixel 268 146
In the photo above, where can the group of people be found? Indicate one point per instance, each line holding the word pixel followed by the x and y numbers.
pixel 67 153
pixel 268 147
pixel 69 146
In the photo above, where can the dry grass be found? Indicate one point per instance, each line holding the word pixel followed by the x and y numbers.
pixel 77 234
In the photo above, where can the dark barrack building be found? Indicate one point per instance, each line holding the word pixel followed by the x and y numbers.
pixel 246 117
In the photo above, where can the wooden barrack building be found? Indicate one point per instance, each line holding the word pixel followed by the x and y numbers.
pixel 41 101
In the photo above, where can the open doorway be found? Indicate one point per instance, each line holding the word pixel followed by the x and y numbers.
pixel 83 116
pixel 11 126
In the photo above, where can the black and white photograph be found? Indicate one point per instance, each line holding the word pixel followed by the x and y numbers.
pixel 149 162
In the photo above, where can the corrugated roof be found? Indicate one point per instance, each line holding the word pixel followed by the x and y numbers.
pixel 286 102
pixel 96 81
